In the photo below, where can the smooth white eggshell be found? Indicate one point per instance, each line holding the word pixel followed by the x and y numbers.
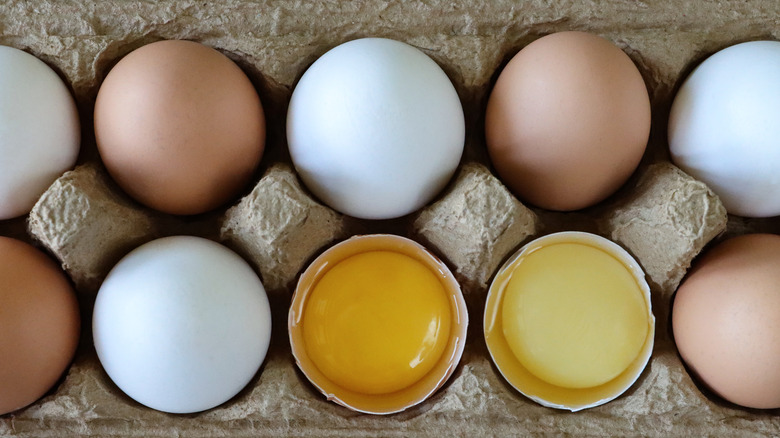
pixel 375 128
pixel 181 324
pixel 39 130
pixel 724 127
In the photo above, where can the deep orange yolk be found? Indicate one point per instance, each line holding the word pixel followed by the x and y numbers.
pixel 377 322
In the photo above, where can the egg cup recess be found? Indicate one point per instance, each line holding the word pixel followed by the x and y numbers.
pixel 386 339
pixel 724 127
pixel 181 324
pixel 182 102
pixel 41 132
pixel 40 324
pixel 559 326
pixel 725 319
pixel 375 128
pixel 567 121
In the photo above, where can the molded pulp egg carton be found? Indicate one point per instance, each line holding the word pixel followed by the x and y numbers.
pixel 662 216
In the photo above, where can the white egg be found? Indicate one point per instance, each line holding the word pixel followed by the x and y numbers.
pixel 39 130
pixel 375 128
pixel 181 324
pixel 724 127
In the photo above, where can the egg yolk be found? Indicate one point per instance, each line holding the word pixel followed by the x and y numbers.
pixel 377 322
pixel 573 315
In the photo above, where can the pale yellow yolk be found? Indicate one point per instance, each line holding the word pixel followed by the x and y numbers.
pixel 377 322
pixel 573 315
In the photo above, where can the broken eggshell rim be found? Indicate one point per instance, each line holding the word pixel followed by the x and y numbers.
pixel 502 277
pixel 429 383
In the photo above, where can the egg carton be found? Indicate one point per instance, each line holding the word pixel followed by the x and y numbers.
pixel 662 216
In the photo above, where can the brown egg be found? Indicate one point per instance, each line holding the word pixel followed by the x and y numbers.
pixel 39 324
pixel 179 126
pixel 726 320
pixel 567 121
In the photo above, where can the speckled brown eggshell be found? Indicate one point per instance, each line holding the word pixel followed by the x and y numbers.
pixel 726 320
pixel 39 324
pixel 567 121
pixel 179 126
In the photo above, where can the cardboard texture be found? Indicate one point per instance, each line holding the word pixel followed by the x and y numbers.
pixel 475 225
pixel 89 224
pixel 662 216
pixel 278 227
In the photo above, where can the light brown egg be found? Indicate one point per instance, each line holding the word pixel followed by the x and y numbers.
pixel 39 324
pixel 179 126
pixel 726 320
pixel 567 121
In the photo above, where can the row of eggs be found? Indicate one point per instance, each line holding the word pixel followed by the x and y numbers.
pixel 378 324
pixel 375 130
